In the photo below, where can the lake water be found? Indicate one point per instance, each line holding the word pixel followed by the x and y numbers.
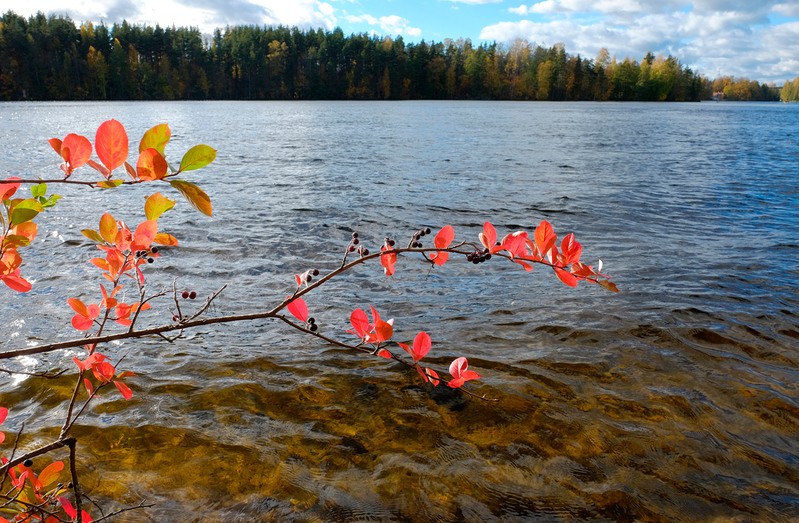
pixel 674 400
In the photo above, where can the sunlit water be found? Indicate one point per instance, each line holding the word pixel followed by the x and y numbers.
pixel 675 400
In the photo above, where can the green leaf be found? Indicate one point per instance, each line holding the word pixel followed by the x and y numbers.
pixel 39 190
pixel 109 184
pixel 93 235
pixel 51 201
pixel 156 205
pixel 197 157
pixel 25 211
pixel 194 195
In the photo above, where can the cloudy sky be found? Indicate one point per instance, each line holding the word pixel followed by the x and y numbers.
pixel 758 39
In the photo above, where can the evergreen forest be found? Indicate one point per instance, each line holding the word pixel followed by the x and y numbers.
pixel 51 58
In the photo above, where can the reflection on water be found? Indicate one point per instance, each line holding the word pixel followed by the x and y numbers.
pixel 673 401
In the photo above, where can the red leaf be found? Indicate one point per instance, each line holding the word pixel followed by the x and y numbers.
pixel 566 277
pixel 442 241
pixel 570 249
pixel 459 369
pixel 7 189
pixel 421 346
pixel 489 236
pixel 16 282
pixel 428 374
pixel 111 144
pixel 387 260
pixel 516 244
pixel 383 353
pixel 359 322
pixel 545 237
pixel 298 309
pixel 444 237
pixel 123 389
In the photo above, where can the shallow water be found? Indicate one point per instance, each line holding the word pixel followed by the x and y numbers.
pixel 675 400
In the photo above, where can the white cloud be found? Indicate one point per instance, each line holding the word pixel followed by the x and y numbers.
pixel 392 24
pixel 475 2
pixel 791 10
pixel 205 14
pixel 707 38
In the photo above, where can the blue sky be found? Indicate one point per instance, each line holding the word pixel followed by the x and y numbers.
pixel 757 39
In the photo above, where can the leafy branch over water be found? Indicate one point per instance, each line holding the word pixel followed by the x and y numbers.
pixel 129 253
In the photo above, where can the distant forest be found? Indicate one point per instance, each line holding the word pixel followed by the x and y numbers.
pixel 50 58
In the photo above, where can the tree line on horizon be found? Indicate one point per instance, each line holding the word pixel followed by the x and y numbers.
pixel 50 58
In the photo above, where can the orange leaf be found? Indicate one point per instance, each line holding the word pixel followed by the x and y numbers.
pixel 50 474
pixel 144 235
pixel 156 205
pixel 163 238
pixel 111 144
pixel 76 151
pixel 78 306
pixel 151 165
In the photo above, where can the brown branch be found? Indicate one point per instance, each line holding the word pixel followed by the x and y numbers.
pixel 272 313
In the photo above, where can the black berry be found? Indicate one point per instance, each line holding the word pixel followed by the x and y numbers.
pixel 27 463
pixel 185 295
pixel 356 241
pixel 355 235
pixel 352 248
pixel 311 321
pixel 315 272
pixel 427 230
pixel 150 260
pixel 154 250
pixel 314 327
pixel 365 252
pixel 192 295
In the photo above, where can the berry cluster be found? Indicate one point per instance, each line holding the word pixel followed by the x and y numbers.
pixel 147 254
pixel 188 295
pixel 354 245
pixel 479 256
pixel 308 275
pixel 417 236
pixel 312 326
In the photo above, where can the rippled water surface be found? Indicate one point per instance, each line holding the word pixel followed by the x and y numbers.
pixel 675 400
